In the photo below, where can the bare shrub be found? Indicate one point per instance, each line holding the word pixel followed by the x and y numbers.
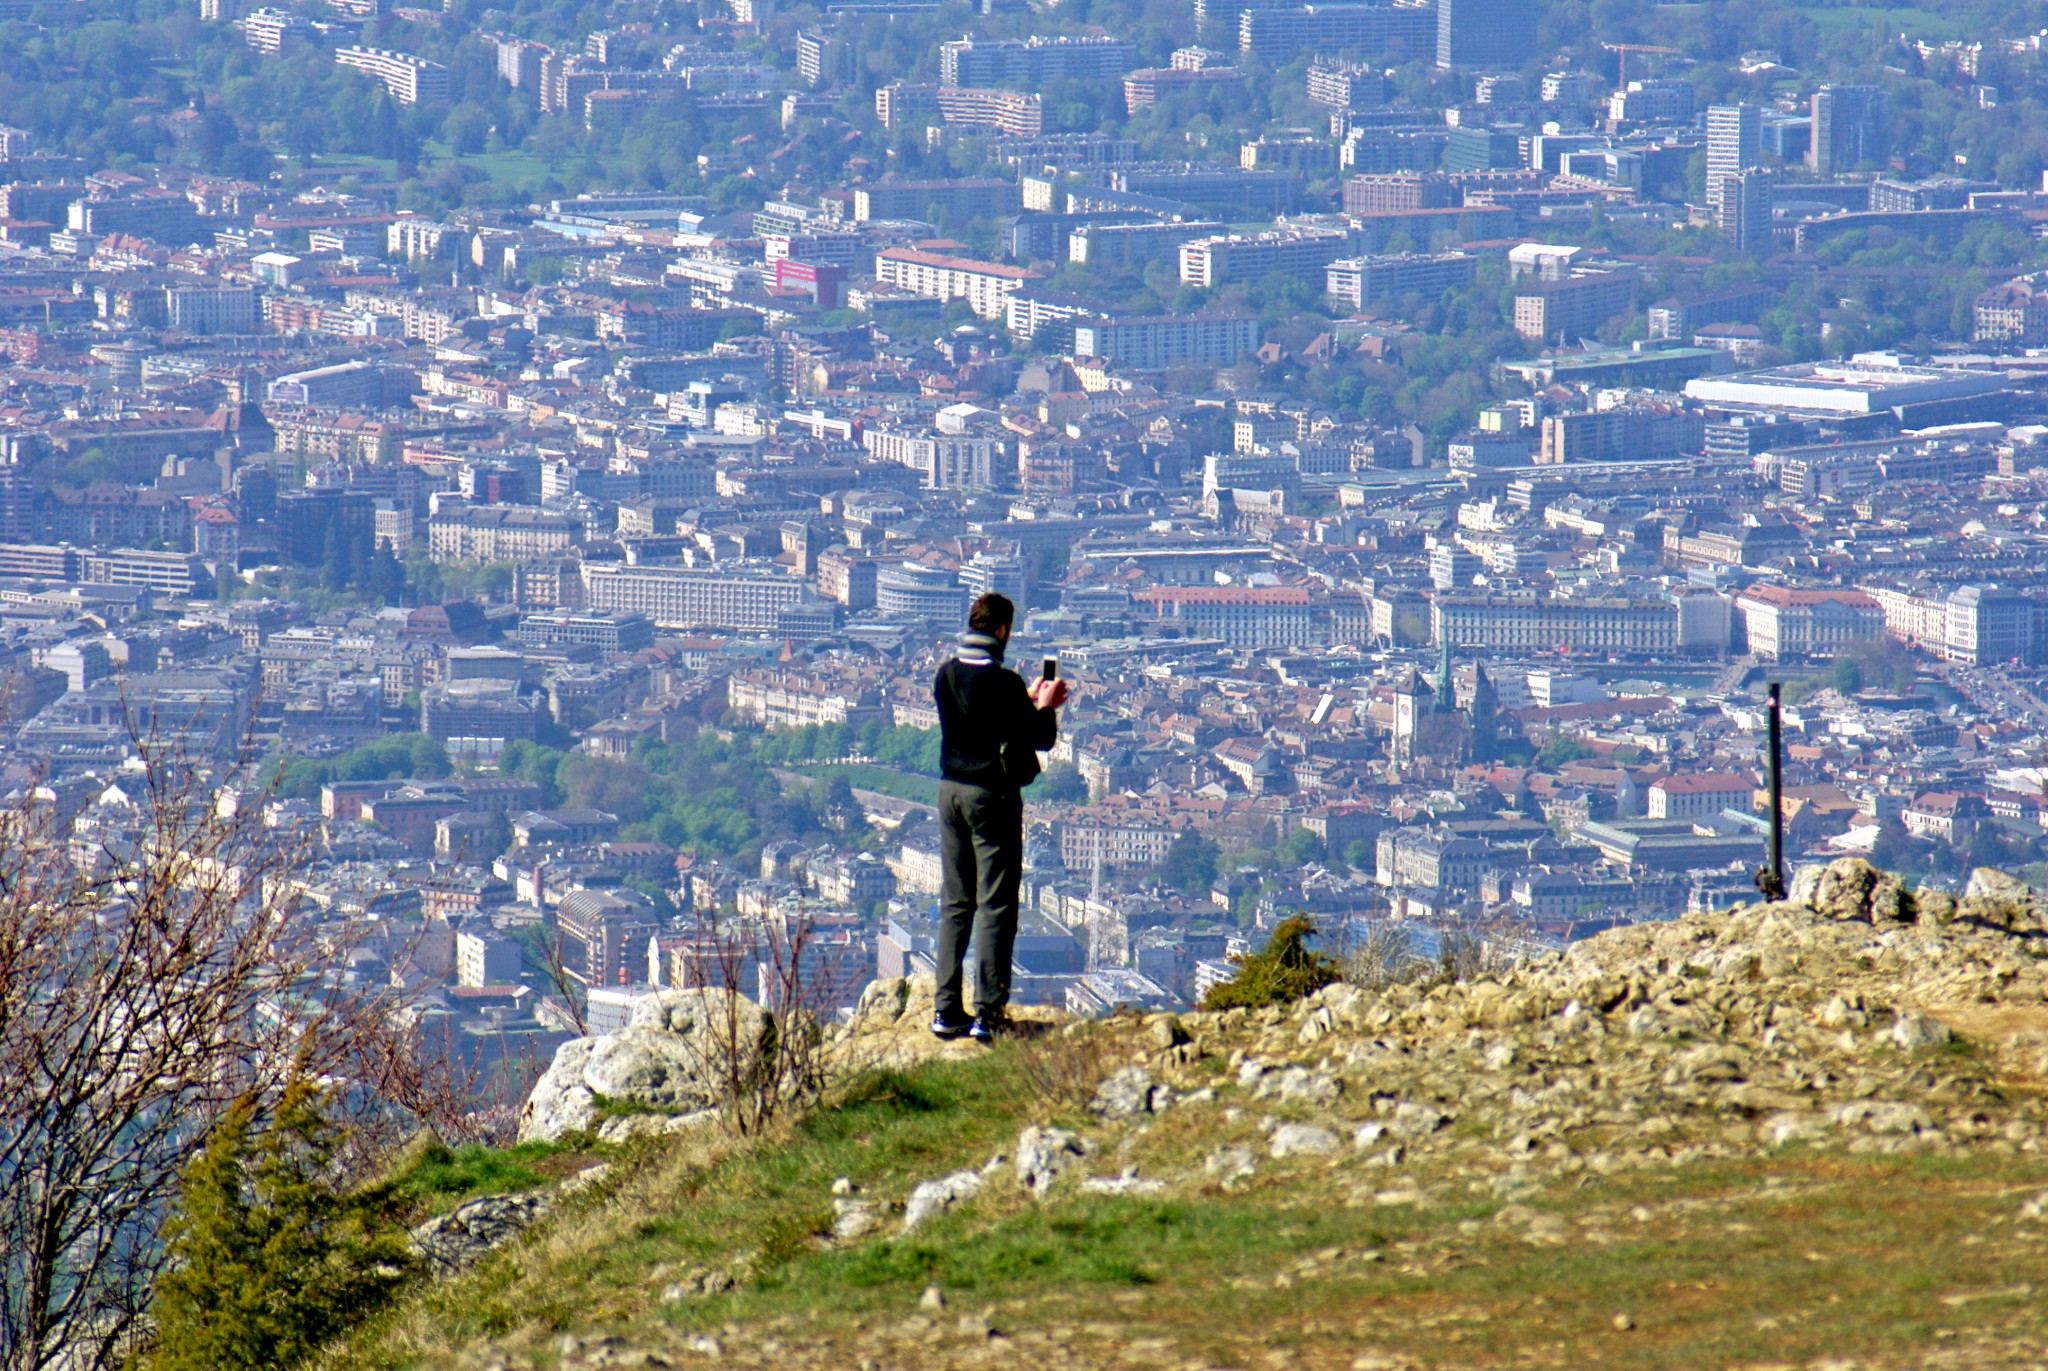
pixel 765 1054
pixel 1381 958
pixel 148 986
pixel 141 995
pixel 1466 953
pixel 1384 956
pixel 1062 1071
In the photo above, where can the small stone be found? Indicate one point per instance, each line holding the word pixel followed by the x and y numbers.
pixel 934 1298
pixel 1412 1120
pixel 1042 1154
pixel 1913 1032
pixel 1230 1163
pixel 1292 1139
pixel 1623 1322
pixel 845 1186
pixel 1165 1032
pixel 856 1219
pixel 1129 1094
pixel 933 1198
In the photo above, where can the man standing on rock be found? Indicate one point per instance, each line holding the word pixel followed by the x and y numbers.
pixel 991 728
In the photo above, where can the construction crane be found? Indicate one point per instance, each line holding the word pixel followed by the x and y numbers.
pixel 1621 52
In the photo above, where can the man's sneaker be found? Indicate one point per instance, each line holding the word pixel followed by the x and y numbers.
pixel 946 1030
pixel 986 1029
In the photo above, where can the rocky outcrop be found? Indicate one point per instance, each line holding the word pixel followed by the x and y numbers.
pixel 672 1057
pixel 891 1028
pixel 1859 1016
pixel 451 1243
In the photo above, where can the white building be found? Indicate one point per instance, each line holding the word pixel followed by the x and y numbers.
pixel 937 277
pixel 409 79
pixel 1782 622
pixel 948 461
pixel 214 309
pixel 1161 340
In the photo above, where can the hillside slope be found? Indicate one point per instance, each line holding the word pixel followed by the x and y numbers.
pixel 1806 1133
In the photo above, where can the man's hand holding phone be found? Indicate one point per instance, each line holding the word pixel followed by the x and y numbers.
pixel 1049 691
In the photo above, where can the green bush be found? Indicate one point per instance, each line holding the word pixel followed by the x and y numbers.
pixel 1281 972
pixel 269 1259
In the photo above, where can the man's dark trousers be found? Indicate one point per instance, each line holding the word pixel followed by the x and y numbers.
pixel 981 847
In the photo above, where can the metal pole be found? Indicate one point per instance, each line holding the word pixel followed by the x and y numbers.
pixel 1771 880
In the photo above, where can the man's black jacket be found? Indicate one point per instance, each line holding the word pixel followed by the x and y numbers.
pixel 983 709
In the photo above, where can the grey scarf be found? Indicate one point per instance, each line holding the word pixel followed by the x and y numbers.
pixel 980 649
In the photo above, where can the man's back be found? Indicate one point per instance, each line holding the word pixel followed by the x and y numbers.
pixel 983 708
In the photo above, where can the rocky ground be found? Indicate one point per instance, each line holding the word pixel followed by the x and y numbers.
pixel 1804 1133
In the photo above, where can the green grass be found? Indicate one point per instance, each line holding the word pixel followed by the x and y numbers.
pixel 446 1177
pixel 1780 1258
pixel 1917 22
pixel 511 167
pixel 755 1209
pixel 901 785
pixel 1859 1263
pixel 348 164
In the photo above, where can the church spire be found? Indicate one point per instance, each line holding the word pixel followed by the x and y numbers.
pixel 1446 695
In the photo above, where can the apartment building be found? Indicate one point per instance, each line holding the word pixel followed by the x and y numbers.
pixel 1357 280
pixel 1149 85
pixel 1733 145
pixel 1541 623
pixel 1403 31
pixel 1027 311
pixel 937 277
pixel 676 597
pixel 272 31
pixel 1016 114
pixel 213 309
pixel 1118 247
pixel 1113 845
pixel 1301 253
pixel 1163 340
pixel 1428 859
pixel 1345 85
pixel 1574 307
pixel 1782 622
pixel 1698 796
pixel 1034 61
pixel 946 461
pixel 1399 190
pixel 1242 616
pixel 1977 624
pixel 1622 434
pixel 410 79
pixel 778 699
pixel 604 935
pixel 1237 195
pixel 968 198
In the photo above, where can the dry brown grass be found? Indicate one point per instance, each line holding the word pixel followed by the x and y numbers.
pixel 1062 1070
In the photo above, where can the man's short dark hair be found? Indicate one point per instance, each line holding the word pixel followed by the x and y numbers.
pixel 991 612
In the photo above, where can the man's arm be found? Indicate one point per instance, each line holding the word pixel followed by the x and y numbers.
pixel 1034 725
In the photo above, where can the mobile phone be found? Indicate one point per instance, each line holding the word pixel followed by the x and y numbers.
pixel 1052 668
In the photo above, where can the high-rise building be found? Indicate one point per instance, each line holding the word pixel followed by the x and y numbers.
pixel 1734 145
pixel 1850 129
pixel 979 63
pixel 1485 33
pixel 411 80
pixel 1744 214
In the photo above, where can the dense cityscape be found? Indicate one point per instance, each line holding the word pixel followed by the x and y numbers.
pixel 539 456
